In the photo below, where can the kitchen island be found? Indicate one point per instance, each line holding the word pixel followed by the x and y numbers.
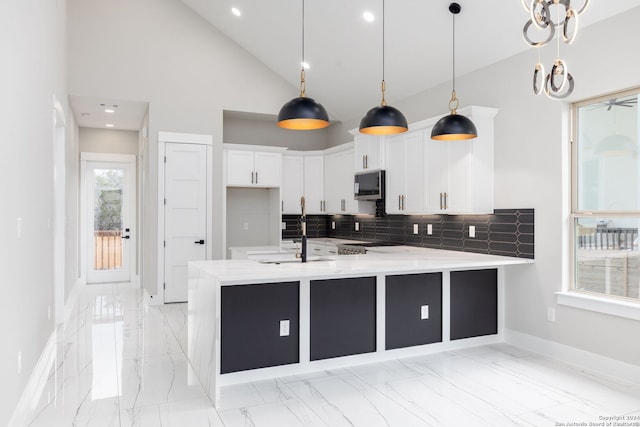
pixel 251 320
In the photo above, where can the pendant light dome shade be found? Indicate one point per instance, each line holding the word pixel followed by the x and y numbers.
pixel 383 120
pixel 303 113
pixel 454 127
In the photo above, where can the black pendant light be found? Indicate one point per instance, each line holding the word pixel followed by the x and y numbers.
pixel 303 113
pixel 454 126
pixel 383 119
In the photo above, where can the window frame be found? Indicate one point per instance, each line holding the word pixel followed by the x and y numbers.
pixel 628 307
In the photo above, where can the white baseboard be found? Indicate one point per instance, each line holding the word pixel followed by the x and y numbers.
pixel 37 381
pixel 587 361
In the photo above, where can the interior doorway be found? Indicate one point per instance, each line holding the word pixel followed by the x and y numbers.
pixel 109 212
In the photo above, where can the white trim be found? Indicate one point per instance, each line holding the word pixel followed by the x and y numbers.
pixel 581 359
pixel 247 147
pixel 180 138
pixel 611 306
pixel 36 383
pixel 59 146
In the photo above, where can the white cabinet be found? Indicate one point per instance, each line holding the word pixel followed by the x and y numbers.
pixel 367 152
pixel 292 183
pixel 405 173
pixel 338 183
pixel 459 174
pixel 314 183
pixel 247 168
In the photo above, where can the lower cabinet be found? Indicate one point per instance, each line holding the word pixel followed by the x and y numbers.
pixel 413 310
pixel 474 303
pixel 251 318
pixel 343 317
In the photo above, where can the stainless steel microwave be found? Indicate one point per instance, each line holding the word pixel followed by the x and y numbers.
pixel 369 185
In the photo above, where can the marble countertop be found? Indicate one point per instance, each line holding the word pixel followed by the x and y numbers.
pixel 381 260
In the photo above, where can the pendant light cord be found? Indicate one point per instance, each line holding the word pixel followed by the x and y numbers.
pixel 383 102
pixel 453 103
pixel 302 80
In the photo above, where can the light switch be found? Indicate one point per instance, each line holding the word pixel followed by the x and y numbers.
pixel 415 228
pixel 245 225
pixel 283 225
pixel 429 229
pixel 424 312
pixel 472 231
pixel 284 328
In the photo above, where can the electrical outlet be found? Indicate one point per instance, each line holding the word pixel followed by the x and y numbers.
pixel 424 312
pixel 472 231
pixel 283 225
pixel 245 225
pixel 551 314
pixel 19 228
pixel 429 229
pixel 19 362
pixel 415 228
pixel 284 328
pixel 333 225
pixel 357 225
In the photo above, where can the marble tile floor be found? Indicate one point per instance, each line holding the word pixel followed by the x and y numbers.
pixel 121 362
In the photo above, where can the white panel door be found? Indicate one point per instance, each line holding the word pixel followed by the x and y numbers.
pixel 185 215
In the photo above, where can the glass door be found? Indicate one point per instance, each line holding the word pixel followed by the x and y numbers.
pixel 109 222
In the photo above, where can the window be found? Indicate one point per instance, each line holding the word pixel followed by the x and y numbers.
pixel 606 197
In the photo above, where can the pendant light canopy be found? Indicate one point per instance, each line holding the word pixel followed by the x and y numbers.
pixel 454 126
pixel 383 119
pixel 303 113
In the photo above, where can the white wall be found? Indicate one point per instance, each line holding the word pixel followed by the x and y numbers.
pixel 265 132
pixel 531 171
pixel 164 54
pixel 32 42
pixel 111 141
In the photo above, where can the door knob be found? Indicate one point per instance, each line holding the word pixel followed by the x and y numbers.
pixel 125 237
pixel 199 242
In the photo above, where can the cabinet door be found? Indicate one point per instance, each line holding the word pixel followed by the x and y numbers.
pixel 268 169
pixel 332 183
pixel 436 178
pixel 413 201
pixel 396 173
pixel 314 184
pixel 240 168
pixel 343 317
pixel 459 191
pixel 361 149
pixel 350 205
pixel 474 303
pixel 250 326
pixel 292 183
pixel 413 310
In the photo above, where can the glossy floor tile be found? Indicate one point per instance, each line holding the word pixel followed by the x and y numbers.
pixel 121 362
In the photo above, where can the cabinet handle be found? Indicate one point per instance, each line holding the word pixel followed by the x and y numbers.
pixel 343 205
pixel 403 207
pixel 399 202
pixel 440 201
pixel 282 205
pixel 256 177
pixel 366 161
pixel 446 197
pixel 363 164
pixel 252 177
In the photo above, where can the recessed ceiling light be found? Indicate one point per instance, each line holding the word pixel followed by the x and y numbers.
pixel 109 125
pixel 368 16
pixel 236 11
pixel 305 65
pixel 109 110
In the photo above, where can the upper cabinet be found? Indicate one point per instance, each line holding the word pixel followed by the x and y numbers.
pixel 314 183
pixel 253 166
pixel 367 152
pixel 459 174
pixel 303 175
pixel 338 182
pixel 405 173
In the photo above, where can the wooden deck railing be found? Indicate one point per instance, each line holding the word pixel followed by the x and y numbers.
pixel 107 249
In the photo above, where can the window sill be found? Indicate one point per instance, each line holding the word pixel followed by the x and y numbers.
pixel 629 310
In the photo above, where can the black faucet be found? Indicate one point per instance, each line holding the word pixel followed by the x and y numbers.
pixel 303 223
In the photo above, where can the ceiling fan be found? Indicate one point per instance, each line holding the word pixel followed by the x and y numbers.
pixel 615 102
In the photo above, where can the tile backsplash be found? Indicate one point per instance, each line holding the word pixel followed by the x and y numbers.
pixel 508 232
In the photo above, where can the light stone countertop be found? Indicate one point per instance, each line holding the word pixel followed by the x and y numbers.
pixel 381 260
